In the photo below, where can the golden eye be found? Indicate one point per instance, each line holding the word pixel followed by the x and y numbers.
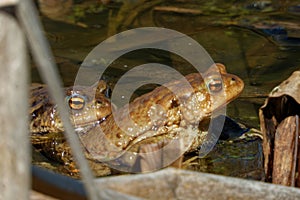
pixel 76 101
pixel 215 85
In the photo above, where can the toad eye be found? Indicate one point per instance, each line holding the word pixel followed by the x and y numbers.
pixel 215 85
pixel 76 101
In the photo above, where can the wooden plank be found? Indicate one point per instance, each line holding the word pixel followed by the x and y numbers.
pixel 285 149
pixel 14 141
pixel 180 184
pixel 8 2
pixel 34 195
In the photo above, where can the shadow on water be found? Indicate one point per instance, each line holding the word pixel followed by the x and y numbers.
pixel 257 40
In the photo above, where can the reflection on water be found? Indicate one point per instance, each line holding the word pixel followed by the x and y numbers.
pixel 239 158
pixel 257 40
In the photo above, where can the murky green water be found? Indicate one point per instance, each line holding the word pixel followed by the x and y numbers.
pixel 257 40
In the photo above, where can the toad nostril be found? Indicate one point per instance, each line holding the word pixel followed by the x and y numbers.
pixel 233 79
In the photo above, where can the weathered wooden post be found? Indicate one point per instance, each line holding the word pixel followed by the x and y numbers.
pixel 32 27
pixel 14 141
pixel 279 120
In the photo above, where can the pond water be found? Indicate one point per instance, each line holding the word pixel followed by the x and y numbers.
pixel 257 40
